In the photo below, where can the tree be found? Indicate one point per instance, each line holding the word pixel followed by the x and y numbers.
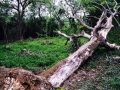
pixel 5 19
pixel 44 23
pixel 20 6
pixel 19 11
pixel 66 23
pixel 63 69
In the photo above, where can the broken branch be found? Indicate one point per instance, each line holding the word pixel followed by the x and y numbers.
pixel 81 22
pixel 116 58
pixel 93 17
pixel 115 46
pixel 71 38
pixel 65 35
pixel 82 34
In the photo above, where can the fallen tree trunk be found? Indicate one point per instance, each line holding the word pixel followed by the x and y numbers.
pixel 21 79
pixel 72 63
pixel 62 70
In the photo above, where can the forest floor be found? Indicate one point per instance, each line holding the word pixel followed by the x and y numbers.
pixel 100 72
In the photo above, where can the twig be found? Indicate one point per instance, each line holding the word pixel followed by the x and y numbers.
pixel 92 17
pixel 82 22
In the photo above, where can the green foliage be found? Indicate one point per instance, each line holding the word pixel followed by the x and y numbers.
pixel 91 9
pixel 51 26
pixel 85 2
pixel 32 54
pixel 115 85
pixel 59 88
pixel 41 27
pixel 107 71
pixel 114 36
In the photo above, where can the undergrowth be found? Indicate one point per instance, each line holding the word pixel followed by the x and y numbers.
pixel 33 54
pixel 42 53
pixel 108 75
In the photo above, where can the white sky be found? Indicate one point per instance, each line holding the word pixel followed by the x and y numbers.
pixel 57 3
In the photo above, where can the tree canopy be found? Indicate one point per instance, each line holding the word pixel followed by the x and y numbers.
pixel 21 19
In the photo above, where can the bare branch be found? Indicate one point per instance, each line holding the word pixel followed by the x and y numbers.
pixel 13 6
pixel 21 3
pixel 115 12
pixel 86 35
pixel 115 4
pixel 100 5
pixel 99 23
pixel 68 4
pixel 115 46
pixel 102 17
pixel 82 34
pixel 65 35
pixel 82 22
pixel 67 14
pixel 93 17
pixel 116 58
pixel 66 41
pixel 73 9
pixel 97 7
pixel 75 16
pixel 71 38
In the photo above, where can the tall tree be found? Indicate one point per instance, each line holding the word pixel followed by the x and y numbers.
pixel 20 7
pixel 19 10
pixel 5 19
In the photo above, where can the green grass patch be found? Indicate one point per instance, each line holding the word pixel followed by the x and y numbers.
pixel 42 53
pixel 39 53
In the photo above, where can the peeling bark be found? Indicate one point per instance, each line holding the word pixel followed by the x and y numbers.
pixel 19 79
pixel 72 63
pixel 98 36
pixel 24 80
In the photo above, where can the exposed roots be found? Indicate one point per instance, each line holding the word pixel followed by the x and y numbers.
pixel 19 79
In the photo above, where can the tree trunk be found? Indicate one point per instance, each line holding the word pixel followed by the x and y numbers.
pixel 14 78
pixel 63 69
pixel 5 33
pixel 60 72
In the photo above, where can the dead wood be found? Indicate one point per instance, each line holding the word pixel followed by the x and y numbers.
pixel 19 79
pixel 98 36
pixel 116 58
pixel 115 46
pixel 4 72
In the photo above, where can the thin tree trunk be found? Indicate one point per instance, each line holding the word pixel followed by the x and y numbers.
pixel 5 33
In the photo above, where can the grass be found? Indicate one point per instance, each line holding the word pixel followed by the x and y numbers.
pixel 108 75
pixel 43 53
pixel 40 53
